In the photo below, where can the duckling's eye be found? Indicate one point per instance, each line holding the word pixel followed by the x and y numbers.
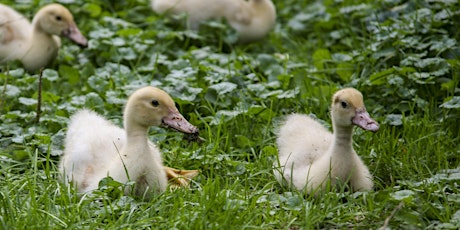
pixel 344 104
pixel 58 18
pixel 155 103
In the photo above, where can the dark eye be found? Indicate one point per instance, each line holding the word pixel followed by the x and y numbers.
pixel 344 104
pixel 58 18
pixel 155 103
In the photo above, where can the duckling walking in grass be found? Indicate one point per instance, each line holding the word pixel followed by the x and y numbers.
pixel 36 45
pixel 96 148
pixel 310 156
pixel 252 19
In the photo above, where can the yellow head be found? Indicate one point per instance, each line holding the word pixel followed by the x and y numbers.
pixel 150 106
pixel 55 19
pixel 348 109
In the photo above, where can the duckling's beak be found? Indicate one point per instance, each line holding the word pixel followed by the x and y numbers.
pixel 176 121
pixel 364 121
pixel 73 33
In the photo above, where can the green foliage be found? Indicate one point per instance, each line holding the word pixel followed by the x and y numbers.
pixel 403 56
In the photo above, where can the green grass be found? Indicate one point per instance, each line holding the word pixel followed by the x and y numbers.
pixel 403 56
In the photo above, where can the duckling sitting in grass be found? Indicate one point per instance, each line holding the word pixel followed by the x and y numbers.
pixel 252 19
pixel 95 148
pixel 310 156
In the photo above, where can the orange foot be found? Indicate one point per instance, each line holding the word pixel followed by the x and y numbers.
pixel 180 178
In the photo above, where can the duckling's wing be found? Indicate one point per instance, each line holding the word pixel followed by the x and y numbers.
pixel 301 141
pixel 14 31
pixel 91 144
pixel 303 138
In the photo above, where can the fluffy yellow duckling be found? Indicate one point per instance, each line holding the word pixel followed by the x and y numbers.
pixel 96 148
pixel 310 156
pixel 252 19
pixel 36 45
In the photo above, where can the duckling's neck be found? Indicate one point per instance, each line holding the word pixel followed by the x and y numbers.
pixel 136 138
pixel 37 27
pixel 38 34
pixel 343 141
